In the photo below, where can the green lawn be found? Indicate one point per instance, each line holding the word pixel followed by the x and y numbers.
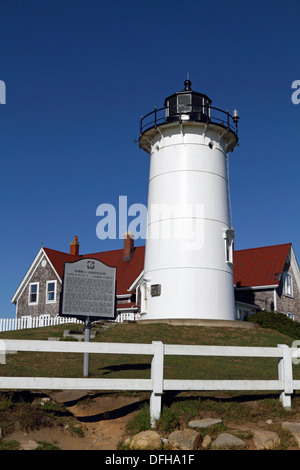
pixel 130 366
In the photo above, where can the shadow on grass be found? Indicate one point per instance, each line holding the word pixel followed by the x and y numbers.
pixel 113 414
pixel 123 367
pixel 174 396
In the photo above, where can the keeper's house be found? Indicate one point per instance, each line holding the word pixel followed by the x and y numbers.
pixel 266 278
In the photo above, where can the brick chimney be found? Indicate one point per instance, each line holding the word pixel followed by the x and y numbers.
pixel 128 246
pixel 74 246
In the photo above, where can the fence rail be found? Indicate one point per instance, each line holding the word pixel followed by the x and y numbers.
pixel 156 383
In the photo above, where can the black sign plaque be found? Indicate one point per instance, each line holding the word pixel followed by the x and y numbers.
pixel 88 290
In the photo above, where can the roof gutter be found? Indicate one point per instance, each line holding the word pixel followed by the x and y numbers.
pixel 271 286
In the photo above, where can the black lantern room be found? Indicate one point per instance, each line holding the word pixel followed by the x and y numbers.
pixel 187 105
pixel 191 106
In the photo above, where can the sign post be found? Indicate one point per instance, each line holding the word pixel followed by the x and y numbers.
pixel 86 356
pixel 89 294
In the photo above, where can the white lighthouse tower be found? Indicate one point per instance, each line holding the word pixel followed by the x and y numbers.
pixel 188 271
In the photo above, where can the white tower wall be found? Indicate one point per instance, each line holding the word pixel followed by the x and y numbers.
pixel 188 222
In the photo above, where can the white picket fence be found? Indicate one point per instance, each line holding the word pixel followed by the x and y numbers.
pixel 127 316
pixel 156 384
pixel 10 324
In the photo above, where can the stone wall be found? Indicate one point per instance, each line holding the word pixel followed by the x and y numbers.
pixel 264 298
pixel 287 303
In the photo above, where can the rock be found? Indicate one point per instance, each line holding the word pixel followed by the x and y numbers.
pixel 206 441
pixel 228 441
pixel 266 440
pixel 269 421
pixel 185 440
pixel 145 440
pixel 45 400
pixel 127 441
pixel 204 423
pixel 294 429
pixel 29 445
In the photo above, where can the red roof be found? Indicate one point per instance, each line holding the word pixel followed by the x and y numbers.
pixel 260 266
pixel 127 271
pixel 252 267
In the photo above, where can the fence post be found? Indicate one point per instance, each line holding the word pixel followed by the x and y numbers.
pixel 157 377
pixel 285 373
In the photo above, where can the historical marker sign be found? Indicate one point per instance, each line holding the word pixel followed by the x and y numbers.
pixel 88 290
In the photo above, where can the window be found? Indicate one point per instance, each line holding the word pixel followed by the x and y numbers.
pixel 51 292
pixel 33 293
pixel 290 315
pixel 144 297
pixel 287 284
pixel 242 314
pixel 155 290
pixel 228 237
pixel 184 103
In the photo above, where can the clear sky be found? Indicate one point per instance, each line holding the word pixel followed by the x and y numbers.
pixel 79 74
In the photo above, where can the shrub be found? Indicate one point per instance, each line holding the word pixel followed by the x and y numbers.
pixel 277 321
pixel 30 417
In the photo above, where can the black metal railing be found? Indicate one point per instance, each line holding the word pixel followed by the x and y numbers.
pixel 189 112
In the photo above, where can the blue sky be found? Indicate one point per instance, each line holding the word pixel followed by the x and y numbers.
pixel 79 74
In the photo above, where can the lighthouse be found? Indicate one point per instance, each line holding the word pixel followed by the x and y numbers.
pixel 188 269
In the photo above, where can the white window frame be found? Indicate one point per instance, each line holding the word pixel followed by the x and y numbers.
pixel 144 297
pixel 290 315
pixel 228 236
pixel 30 293
pixel 47 292
pixel 288 284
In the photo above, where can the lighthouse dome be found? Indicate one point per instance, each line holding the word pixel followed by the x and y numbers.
pixel 187 105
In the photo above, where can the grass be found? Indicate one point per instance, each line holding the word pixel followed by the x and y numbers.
pixel 18 413
pixel 178 408
pixel 44 445
pixel 26 411
pixel 124 366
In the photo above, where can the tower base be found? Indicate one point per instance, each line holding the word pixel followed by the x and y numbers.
pixel 205 323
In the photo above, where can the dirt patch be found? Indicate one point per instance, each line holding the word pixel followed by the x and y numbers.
pixel 56 436
pixel 102 419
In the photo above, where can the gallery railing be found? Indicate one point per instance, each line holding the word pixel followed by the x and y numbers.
pixel 206 113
